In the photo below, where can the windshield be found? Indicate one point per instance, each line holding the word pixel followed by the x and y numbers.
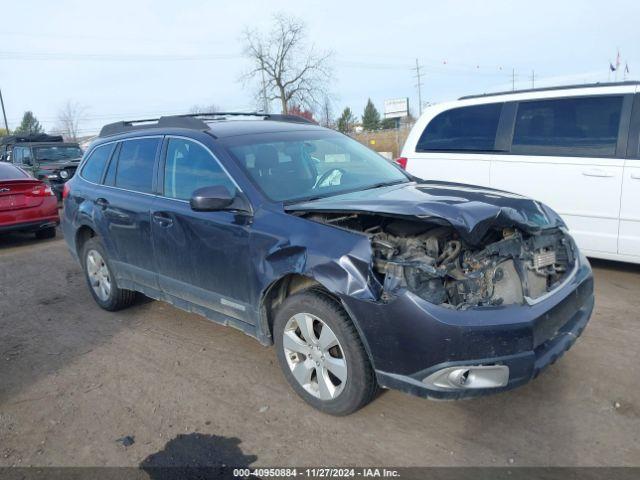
pixel 294 166
pixel 54 153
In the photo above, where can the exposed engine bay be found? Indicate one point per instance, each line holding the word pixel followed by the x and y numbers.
pixel 433 262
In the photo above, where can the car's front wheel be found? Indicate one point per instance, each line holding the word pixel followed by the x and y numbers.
pixel 321 354
pixel 100 278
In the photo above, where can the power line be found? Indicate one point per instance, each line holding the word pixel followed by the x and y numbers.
pixel 137 57
pixel 435 67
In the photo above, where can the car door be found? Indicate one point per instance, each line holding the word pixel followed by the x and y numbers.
pixel 125 206
pixel 200 257
pixel 629 240
pixel 565 152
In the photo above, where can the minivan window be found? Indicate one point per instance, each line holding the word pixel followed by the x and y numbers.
pixel 94 166
pixel 568 126
pixel 466 128
pixel 135 164
pixel 190 166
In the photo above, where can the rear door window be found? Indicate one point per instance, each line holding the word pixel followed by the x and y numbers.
pixel 135 164
pixel 568 126
pixel 467 128
pixel 94 166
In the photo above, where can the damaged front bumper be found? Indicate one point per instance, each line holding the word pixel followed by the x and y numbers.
pixel 443 353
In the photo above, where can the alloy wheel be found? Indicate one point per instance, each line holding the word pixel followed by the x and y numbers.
pixel 315 356
pixel 99 276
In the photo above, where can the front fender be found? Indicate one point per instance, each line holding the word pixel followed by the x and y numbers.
pixel 337 259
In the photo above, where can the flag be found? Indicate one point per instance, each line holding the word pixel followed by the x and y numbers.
pixel 611 67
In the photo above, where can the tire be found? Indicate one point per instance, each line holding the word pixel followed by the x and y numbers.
pixel 337 397
pixel 116 298
pixel 49 232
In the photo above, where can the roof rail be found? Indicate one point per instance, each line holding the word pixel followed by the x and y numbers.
pixel 546 89
pixel 193 121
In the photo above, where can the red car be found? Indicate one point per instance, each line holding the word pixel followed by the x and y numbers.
pixel 26 204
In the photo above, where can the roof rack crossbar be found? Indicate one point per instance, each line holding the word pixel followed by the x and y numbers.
pixel 545 89
pixel 193 121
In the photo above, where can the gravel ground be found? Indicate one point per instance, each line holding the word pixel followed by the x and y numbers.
pixel 75 381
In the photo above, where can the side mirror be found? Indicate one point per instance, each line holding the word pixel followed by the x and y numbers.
pixel 214 198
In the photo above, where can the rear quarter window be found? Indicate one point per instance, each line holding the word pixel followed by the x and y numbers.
pixel 94 165
pixel 471 128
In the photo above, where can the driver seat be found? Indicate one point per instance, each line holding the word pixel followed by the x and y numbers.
pixel 279 179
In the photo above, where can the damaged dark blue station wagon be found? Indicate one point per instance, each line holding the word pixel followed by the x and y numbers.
pixel 360 274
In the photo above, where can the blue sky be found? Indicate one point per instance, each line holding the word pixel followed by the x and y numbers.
pixel 141 58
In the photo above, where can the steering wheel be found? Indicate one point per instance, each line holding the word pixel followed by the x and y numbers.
pixel 323 178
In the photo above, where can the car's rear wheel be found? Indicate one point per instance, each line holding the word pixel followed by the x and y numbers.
pixel 321 354
pixel 100 278
pixel 49 232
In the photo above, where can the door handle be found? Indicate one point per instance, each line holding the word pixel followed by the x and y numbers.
pixel 102 203
pixel 162 219
pixel 596 172
pixel 635 176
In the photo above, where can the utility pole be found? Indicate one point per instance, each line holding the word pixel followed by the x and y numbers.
pixel 4 114
pixel 419 85
pixel 533 79
pixel 513 79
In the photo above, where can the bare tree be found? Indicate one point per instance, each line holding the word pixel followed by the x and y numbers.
pixel 69 118
pixel 326 112
pixel 288 69
pixel 211 108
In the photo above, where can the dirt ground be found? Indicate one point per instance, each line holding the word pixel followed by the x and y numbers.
pixel 75 379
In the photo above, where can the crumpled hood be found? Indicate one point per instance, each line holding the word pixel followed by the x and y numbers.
pixel 470 209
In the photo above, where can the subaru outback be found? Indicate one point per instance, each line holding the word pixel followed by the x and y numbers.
pixel 362 275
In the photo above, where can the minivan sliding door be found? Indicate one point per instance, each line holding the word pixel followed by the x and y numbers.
pixel 569 153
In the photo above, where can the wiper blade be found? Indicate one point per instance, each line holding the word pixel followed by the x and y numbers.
pixel 305 199
pixel 385 184
pixel 345 192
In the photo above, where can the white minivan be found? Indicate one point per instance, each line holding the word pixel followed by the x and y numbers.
pixel 573 148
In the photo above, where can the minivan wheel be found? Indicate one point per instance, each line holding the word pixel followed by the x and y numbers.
pixel 100 278
pixel 321 354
